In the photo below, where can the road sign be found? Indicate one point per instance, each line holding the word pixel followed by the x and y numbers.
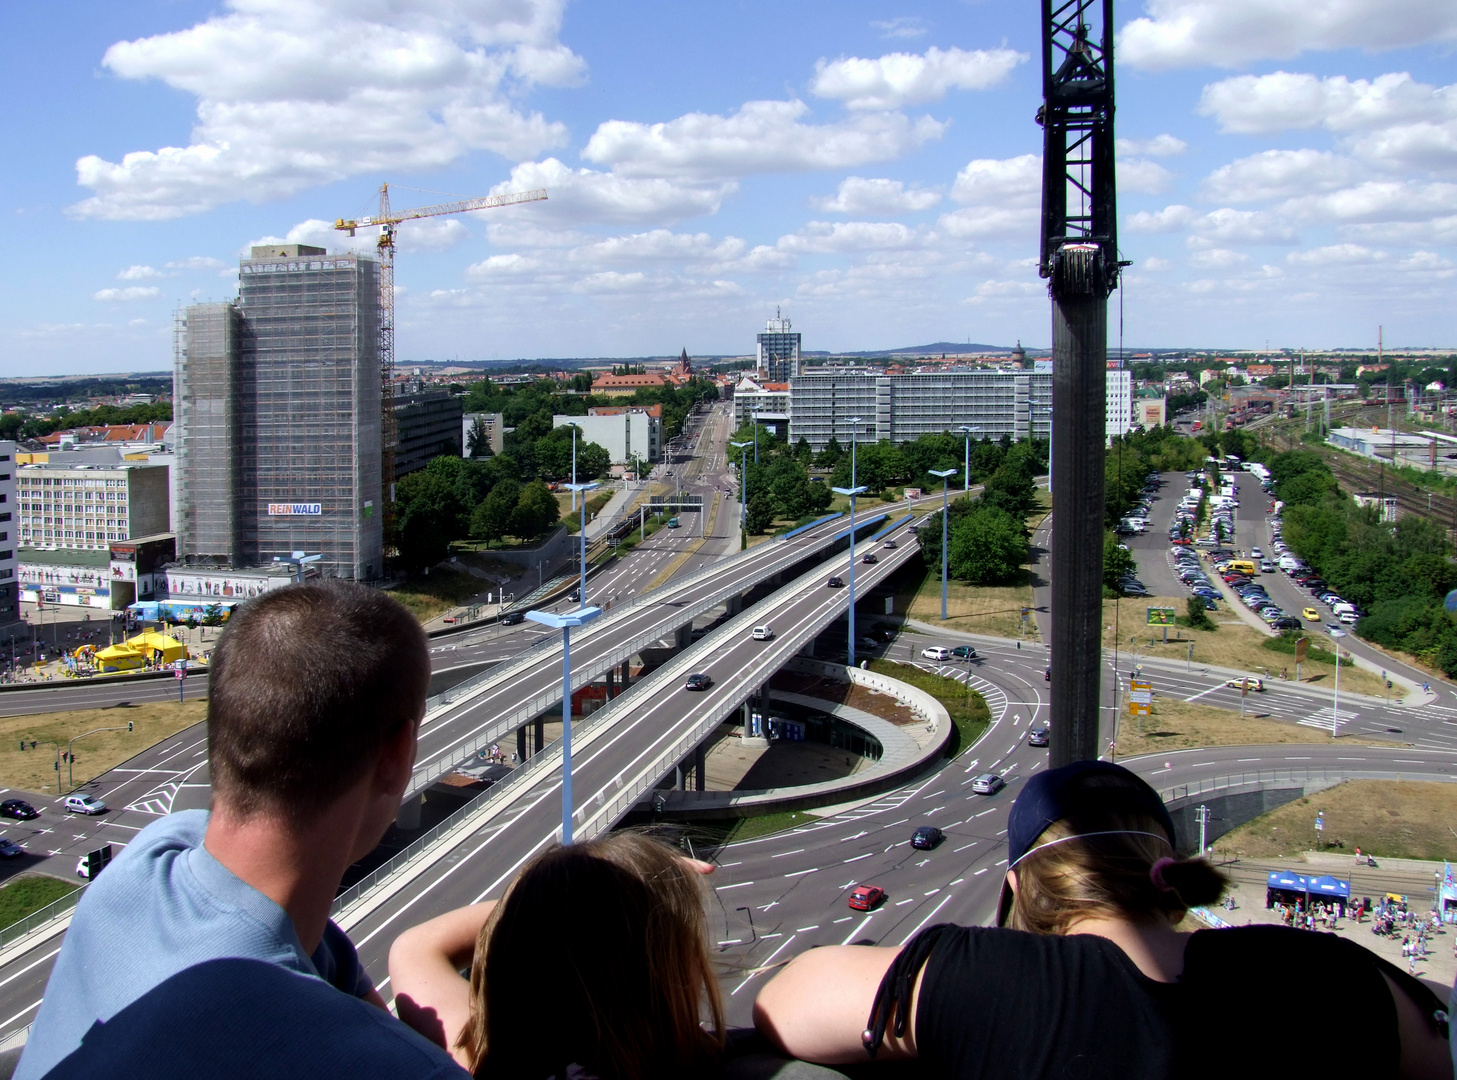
pixel 1140 697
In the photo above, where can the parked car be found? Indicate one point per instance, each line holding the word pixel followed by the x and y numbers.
pixel 1038 736
pixel 866 897
pixel 1286 622
pixel 82 869
pixel 988 784
pixel 936 652
pixel 84 804
pixel 19 809
pixel 926 837
pixel 698 681
pixel 762 633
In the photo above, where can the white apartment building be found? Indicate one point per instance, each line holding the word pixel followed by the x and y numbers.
pixel 625 432
pixel 769 399
pixel 9 541
pixel 88 506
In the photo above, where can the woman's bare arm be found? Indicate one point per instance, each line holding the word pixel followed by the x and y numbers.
pixel 425 963
pixel 817 1007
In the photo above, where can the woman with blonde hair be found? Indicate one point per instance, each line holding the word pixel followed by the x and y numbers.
pixel 1087 975
pixel 594 964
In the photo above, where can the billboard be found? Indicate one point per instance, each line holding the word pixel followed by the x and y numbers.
pixel 298 509
pixel 1162 616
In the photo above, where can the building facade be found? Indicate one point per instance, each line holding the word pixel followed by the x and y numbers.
pixel 778 351
pixel 428 424
pixel 66 505
pixel 632 431
pixel 495 427
pixel 769 400
pixel 277 425
pixel 9 537
pixel 825 403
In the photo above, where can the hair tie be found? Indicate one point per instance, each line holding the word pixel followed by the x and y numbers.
pixel 1156 873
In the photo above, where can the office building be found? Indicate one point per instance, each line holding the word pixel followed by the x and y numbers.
pixel 1119 403
pixel 494 424
pixel 76 505
pixel 778 351
pixel 824 402
pixel 628 432
pixel 428 425
pixel 278 426
pixel 769 400
pixel 9 538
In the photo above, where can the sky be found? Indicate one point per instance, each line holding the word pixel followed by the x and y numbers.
pixel 1287 171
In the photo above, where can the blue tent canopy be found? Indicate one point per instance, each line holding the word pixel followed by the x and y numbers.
pixel 1316 885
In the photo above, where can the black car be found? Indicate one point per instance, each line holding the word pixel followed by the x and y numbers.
pixel 575 595
pixel 698 682
pixel 18 808
pixel 869 557
pixel 511 618
pixel 885 631
pixel 9 849
pixel 926 837
pixel 835 583
pixel 1038 736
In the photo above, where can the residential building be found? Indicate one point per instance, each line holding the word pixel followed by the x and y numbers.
pixel 9 538
pixel 78 505
pixel 428 425
pixel 620 385
pixel 770 400
pixel 1150 409
pixel 628 432
pixel 778 351
pixel 278 426
pixel 495 425
pixel 1118 403
pixel 902 407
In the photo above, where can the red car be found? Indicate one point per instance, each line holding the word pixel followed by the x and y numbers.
pixel 865 897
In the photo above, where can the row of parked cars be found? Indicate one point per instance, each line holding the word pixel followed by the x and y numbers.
pixel 1191 572
pixel 1342 611
pixel 1239 574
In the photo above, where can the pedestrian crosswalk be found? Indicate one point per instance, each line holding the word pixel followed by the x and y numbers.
pixel 1326 718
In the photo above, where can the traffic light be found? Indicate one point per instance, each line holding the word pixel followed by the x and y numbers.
pixel 128 725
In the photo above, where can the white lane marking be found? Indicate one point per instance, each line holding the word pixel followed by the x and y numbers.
pixel 983 870
pixel 851 936
pixel 1201 693
pixel 801 873
pixel 736 885
pixel 764 965
pixel 782 854
pixel 857 858
pixel 970 845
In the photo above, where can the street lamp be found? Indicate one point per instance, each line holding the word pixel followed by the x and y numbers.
pixel 297 563
pixel 582 532
pixel 852 492
pixel 854 436
pixel 564 623
pixel 945 475
pixel 574 476
pixel 966 430
pixel 755 415
pixel 743 491
pixel 1337 633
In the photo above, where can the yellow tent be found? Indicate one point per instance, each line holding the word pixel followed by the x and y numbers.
pixel 134 652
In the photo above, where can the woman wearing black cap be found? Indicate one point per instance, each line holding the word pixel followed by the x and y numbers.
pixel 1085 975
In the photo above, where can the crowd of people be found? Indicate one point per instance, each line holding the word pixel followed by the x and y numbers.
pixel 206 948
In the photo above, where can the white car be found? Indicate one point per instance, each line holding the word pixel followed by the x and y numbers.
pixel 936 652
pixel 762 633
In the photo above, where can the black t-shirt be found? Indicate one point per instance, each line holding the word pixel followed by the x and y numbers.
pixel 1003 1003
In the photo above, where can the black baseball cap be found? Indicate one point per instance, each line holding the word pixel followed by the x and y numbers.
pixel 1083 792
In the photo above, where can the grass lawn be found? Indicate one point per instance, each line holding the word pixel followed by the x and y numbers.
pixel 34 770
pixel 1391 818
pixel 28 893
pixel 712 834
pixel 1179 725
pixel 594 504
pixel 969 711
pixel 1232 644
pixel 441 590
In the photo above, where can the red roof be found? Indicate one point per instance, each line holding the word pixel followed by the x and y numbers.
pixel 630 382
pixel 618 410
pixel 111 433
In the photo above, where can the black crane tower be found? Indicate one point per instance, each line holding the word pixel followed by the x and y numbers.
pixel 1080 261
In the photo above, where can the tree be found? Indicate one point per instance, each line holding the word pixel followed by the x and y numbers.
pixel 1117 561
pixel 478 439
pixel 492 518
pixel 1197 613
pixel 760 514
pixel 988 546
pixel 536 511
pixel 830 456
pixel 803 452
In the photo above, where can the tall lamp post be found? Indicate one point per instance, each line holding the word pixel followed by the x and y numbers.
pixel 755 415
pixel 852 492
pixel 945 475
pixel 966 431
pixel 564 623
pixel 1337 633
pixel 582 489
pixel 743 491
pixel 574 474
pixel 854 438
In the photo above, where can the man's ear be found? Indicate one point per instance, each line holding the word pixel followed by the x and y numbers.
pixel 397 759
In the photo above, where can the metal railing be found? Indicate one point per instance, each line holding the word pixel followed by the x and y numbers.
pixel 37 919
pixel 1290 776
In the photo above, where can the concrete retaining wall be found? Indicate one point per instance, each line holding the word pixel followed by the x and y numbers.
pixel 1229 809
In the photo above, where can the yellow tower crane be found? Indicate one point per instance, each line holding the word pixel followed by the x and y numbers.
pixel 386 220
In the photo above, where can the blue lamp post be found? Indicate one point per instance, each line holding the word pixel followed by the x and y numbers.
pixel 945 475
pixel 854 438
pixel 564 623
pixel 966 431
pixel 743 491
pixel 582 489
pixel 756 436
pixel 852 492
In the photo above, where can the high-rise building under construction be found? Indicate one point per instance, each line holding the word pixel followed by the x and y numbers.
pixel 277 410
pixel 778 352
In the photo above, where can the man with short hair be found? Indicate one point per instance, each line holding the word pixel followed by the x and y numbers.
pixel 315 699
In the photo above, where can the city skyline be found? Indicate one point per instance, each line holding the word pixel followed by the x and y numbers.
pixel 1286 175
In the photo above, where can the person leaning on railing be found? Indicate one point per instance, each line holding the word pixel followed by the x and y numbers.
pixel 1086 974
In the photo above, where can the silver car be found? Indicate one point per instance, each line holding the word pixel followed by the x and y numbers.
pixel 987 784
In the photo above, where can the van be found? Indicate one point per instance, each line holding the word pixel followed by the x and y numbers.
pixel 1343 608
pixel 1244 566
pixel 1289 562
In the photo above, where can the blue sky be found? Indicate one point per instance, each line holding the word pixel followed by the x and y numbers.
pixel 1288 172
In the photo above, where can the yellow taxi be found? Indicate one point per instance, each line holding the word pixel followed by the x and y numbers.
pixel 1310 615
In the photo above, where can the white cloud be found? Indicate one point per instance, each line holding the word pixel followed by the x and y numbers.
pixel 1143 177
pixel 139 273
pixel 824 238
pixel 857 195
pixel 1154 264
pixel 315 233
pixel 980 222
pixel 902 26
pixel 196 262
pixel 1278 174
pixel 1226 226
pixel 1196 33
pixel 1377 201
pixel 1174 218
pixel 1158 146
pixel 1336 255
pixel 899 79
pixel 132 292
pixel 294 95
pixel 659 246
pixel 1217 259
pixel 577 196
pixel 762 137
pixel 1000 181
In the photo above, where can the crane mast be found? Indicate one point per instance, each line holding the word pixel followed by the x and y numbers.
pixel 386 220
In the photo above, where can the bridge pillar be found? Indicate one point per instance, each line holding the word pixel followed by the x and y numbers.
pixel 698 778
pixel 540 735
pixel 684 637
pixel 409 813
pixel 734 605
pixel 626 674
pixel 611 683
pixel 678 777
pixel 521 743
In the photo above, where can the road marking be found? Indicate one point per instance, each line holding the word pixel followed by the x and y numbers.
pixel 807 929
pixel 737 885
pixel 985 812
pixel 970 845
pixel 1201 693
pixel 847 918
pixel 782 854
pixel 899 903
pixel 983 870
pixel 958 881
pixel 857 858
pixel 801 873
pixel 732 941
pixel 851 936
pixel 933 892
pixel 764 965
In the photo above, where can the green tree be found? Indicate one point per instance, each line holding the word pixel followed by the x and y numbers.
pixel 492 518
pixel 988 546
pixel 1197 613
pixel 1117 561
pixel 478 439
pixel 760 513
pixel 830 456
